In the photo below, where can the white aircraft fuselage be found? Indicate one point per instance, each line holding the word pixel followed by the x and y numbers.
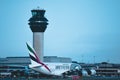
pixel 55 68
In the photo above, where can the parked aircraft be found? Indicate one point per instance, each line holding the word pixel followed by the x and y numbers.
pixel 57 69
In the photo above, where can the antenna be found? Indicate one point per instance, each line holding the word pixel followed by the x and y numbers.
pixel 82 58
pixel 94 59
pixel 108 60
pixel 38 7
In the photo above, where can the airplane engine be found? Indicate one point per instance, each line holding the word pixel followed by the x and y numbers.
pixel 91 71
pixel 88 71
pixel 84 72
pixel 74 70
pixel 75 66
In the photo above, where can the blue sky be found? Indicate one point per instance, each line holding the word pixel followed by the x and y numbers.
pixel 79 29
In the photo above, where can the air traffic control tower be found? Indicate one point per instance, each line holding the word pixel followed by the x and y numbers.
pixel 38 24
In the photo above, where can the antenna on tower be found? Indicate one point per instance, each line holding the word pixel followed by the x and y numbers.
pixel 38 7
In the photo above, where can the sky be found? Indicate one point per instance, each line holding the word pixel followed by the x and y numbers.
pixel 84 30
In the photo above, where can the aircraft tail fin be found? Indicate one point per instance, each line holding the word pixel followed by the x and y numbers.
pixel 33 56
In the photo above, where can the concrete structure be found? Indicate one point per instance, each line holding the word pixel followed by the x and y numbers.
pixel 103 69
pixel 25 61
pixel 56 59
pixel 38 24
pixel 108 69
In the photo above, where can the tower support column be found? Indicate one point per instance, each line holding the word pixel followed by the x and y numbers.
pixel 38 44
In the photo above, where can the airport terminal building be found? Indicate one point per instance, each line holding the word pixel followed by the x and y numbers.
pixel 16 65
pixel 25 61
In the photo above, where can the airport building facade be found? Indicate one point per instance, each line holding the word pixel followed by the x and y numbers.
pixel 108 69
pixel 25 61
pixel 19 65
